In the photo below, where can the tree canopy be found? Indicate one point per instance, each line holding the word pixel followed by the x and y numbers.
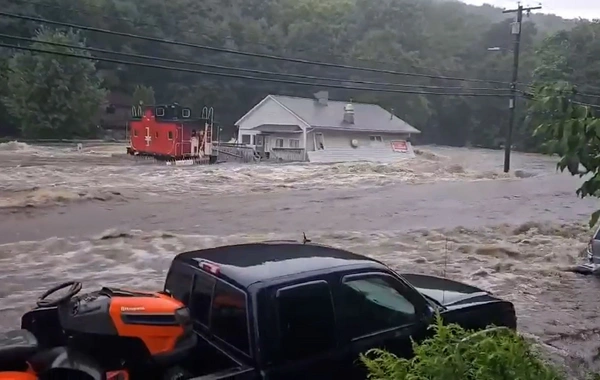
pixel 432 37
pixel 53 96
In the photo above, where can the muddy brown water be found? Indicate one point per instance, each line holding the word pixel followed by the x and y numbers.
pixel 100 218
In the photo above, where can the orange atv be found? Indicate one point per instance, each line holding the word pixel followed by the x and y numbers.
pixel 110 334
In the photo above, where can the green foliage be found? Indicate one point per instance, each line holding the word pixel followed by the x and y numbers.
pixel 417 36
pixel 143 94
pixel 453 353
pixel 53 96
pixel 571 131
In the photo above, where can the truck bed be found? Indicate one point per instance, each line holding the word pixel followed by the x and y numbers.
pixel 208 362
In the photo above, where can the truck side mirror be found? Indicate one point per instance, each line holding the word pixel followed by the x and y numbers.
pixel 428 314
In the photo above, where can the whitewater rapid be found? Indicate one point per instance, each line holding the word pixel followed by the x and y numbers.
pixel 97 216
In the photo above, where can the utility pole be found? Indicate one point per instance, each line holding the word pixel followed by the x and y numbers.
pixel 516 31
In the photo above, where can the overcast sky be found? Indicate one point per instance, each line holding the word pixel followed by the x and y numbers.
pixel 565 8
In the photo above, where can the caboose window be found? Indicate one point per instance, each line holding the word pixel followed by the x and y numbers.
pixel 170 134
pixel 160 111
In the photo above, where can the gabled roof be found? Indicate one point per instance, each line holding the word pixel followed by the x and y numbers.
pixel 367 117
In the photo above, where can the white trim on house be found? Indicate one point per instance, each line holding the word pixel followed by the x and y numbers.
pixel 252 110
pixel 373 131
pixel 306 125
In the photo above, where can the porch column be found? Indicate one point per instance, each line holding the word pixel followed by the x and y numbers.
pixel 304 137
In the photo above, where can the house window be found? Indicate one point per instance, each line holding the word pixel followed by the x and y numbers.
pixel 259 140
pixel 294 143
pixel 375 138
pixel 170 135
pixel 319 141
pixel 279 143
pixel 246 139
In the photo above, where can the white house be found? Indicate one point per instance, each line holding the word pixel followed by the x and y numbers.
pixel 320 130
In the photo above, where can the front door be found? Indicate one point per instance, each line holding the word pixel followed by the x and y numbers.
pixel 260 145
pixel 376 311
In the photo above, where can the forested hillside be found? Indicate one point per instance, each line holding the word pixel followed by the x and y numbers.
pixel 434 37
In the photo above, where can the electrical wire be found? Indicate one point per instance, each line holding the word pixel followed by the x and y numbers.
pixel 76 10
pixel 576 93
pixel 252 71
pixel 155 25
pixel 585 104
pixel 243 53
pixel 240 76
pixel 268 56
pixel 530 96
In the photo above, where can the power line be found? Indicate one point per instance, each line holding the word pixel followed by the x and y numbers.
pixel 530 96
pixel 575 93
pixel 240 76
pixel 587 95
pixel 155 25
pixel 585 104
pixel 243 53
pixel 136 23
pixel 252 71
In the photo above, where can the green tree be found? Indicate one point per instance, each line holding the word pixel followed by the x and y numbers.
pixel 52 96
pixel 436 37
pixel 143 94
pixel 571 130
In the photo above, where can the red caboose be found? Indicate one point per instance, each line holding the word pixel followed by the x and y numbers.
pixel 168 133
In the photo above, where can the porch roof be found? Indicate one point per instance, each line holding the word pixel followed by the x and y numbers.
pixel 279 128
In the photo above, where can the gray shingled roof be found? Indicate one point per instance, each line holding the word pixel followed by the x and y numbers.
pixel 367 117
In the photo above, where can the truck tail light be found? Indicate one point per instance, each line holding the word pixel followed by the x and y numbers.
pixel 210 268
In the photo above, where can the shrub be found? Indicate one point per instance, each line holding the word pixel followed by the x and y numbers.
pixel 453 353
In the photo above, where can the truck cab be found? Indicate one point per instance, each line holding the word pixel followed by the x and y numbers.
pixel 287 310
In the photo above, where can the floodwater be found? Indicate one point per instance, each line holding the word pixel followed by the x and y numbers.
pixel 102 218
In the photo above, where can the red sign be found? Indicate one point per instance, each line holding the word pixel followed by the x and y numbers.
pixel 400 146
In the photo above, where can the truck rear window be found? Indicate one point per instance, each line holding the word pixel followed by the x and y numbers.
pixel 228 319
pixel 221 309
pixel 210 298
pixel 179 282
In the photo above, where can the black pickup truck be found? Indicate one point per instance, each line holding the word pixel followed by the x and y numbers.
pixel 287 310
